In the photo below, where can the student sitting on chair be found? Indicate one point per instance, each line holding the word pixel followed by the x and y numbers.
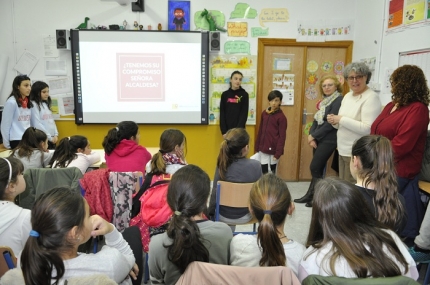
pixel 233 166
pixel 15 221
pixel 346 240
pixel 74 151
pixel 189 236
pixel 32 150
pixel 60 222
pixel 270 202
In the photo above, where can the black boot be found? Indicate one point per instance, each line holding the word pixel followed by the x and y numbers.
pixel 309 204
pixel 309 195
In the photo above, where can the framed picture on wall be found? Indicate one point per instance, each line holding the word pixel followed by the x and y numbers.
pixel 179 15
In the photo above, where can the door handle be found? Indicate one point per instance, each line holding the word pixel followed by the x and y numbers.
pixel 305 114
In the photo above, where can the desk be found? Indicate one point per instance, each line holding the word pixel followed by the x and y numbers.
pixel 5 153
pixel 101 151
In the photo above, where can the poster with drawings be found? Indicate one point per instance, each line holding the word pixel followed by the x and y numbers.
pixel 285 84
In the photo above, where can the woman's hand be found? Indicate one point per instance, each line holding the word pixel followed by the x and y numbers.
pixel 333 119
pixel 134 272
pixel 100 226
pixel 310 138
pixel 54 139
pixel 313 144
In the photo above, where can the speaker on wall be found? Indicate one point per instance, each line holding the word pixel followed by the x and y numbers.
pixel 63 39
pixel 215 41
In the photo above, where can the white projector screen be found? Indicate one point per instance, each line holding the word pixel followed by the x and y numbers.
pixel 150 77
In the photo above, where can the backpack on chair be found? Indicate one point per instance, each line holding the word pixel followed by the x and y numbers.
pixel 150 208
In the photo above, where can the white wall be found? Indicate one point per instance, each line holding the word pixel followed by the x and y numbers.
pixel 25 23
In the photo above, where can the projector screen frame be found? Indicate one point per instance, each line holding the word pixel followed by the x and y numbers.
pixel 76 68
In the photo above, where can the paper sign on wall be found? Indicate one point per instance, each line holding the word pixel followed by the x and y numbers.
pixel 274 15
pixel 231 47
pixel 237 29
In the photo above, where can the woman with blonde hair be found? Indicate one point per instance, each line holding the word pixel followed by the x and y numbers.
pixel 233 166
pixel 322 135
pixel 270 202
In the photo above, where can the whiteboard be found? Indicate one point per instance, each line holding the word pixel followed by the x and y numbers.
pixel 420 58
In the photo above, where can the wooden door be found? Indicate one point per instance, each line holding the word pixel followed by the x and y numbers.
pixel 294 164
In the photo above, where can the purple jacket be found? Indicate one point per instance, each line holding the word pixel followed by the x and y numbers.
pixel 272 133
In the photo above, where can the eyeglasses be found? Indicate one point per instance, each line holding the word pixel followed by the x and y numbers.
pixel 355 78
pixel 327 85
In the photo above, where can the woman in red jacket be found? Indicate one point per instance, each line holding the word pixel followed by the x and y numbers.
pixel 404 122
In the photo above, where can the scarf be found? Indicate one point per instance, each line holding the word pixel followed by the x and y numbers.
pixel 172 158
pixel 24 102
pixel 319 116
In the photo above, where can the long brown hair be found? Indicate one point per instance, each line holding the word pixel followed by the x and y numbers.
pixel 169 139
pixel 408 84
pixel 376 156
pixel 270 200
pixel 231 149
pixel 341 216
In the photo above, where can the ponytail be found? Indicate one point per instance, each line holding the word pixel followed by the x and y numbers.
pixel 187 195
pixel 231 149
pixel 158 166
pixel 66 150
pixel 270 201
pixel 31 140
pixel 125 130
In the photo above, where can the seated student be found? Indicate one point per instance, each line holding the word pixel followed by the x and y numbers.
pixel 171 155
pixel 74 151
pixel 15 221
pixel 233 166
pixel 372 165
pixel 346 240
pixel 60 222
pixel 190 236
pixel 32 150
pixel 270 202
pixel 122 150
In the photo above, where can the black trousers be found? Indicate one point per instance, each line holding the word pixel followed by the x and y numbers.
pixel 132 236
pixel 319 161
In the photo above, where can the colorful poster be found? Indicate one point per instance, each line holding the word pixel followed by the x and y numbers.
pixel 428 10
pixel 395 12
pixel 285 84
pixel 324 30
pixel 221 68
pixel 414 11
pixel 179 15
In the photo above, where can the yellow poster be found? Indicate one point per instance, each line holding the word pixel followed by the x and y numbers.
pixel 414 11
pixel 237 29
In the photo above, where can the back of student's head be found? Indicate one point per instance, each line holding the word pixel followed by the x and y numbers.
pixel 125 130
pixel 270 201
pixel 187 196
pixel 231 149
pixel 169 140
pixel 274 94
pixel 66 150
pixel 36 94
pixel 377 166
pixel 340 215
pixel 31 139
pixel 54 214
pixel 10 168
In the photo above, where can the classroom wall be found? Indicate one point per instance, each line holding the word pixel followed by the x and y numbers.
pixel 25 23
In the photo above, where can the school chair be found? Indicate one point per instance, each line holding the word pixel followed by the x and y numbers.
pixel 7 260
pixel 235 195
pixel 421 258
pixel 198 273
pixel 334 280
pixel 40 180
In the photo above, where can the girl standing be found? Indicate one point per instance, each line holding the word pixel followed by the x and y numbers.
pixel 15 221
pixel 41 114
pixel 122 150
pixel 270 202
pixel 233 109
pixel 74 151
pixel 272 133
pixel 32 150
pixel 16 113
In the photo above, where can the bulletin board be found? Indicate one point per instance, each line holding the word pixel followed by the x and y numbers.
pixel 420 58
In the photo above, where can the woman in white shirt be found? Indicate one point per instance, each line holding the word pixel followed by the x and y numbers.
pixel 74 151
pixel 346 240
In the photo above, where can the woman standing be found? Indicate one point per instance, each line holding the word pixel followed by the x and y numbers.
pixel 16 113
pixel 359 109
pixel 404 122
pixel 322 135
